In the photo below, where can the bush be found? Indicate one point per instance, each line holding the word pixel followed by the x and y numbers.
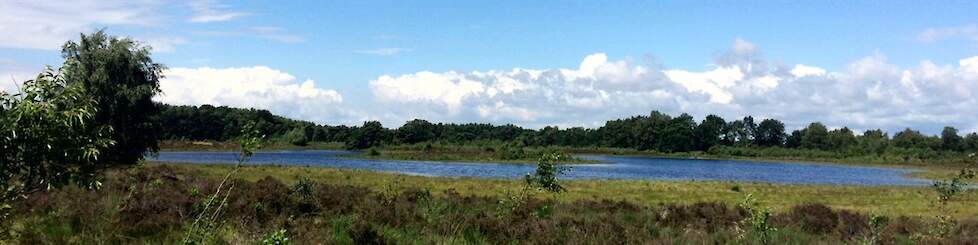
pixel 297 137
pixel 814 218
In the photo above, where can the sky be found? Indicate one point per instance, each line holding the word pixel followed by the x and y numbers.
pixel 861 64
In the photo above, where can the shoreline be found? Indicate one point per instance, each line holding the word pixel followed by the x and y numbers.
pixel 472 154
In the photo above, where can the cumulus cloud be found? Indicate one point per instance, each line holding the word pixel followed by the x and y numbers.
pixel 529 97
pixel 253 87
pixel 804 70
pixel 868 93
pixel 47 24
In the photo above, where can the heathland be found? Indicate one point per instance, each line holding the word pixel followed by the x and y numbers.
pixel 74 140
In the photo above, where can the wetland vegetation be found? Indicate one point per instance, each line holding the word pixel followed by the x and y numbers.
pixel 71 171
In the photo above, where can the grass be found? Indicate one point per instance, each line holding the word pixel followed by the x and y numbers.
pixel 151 204
pixel 887 200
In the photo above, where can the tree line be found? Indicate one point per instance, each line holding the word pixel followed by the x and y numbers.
pixel 654 132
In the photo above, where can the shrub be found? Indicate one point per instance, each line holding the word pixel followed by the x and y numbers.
pixel 297 136
pixel 278 237
pixel 814 218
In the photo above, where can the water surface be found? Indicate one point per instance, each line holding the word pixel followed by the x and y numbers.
pixel 611 167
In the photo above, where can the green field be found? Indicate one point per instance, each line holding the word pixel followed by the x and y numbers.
pixel 156 203
pixel 888 200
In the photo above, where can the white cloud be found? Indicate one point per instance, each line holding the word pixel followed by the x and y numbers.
pixel 11 80
pixel 384 51
pixel 13 73
pixel 205 11
pixel 530 97
pixel 444 88
pixel 164 44
pixel 804 70
pixel 868 93
pixel 969 31
pixel 275 33
pixel 48 24
pixel 265 32
pixel 252 87
pixel 711 82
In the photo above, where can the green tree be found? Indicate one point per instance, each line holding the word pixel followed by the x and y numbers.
pixel 816 137
pixel 298 136
pixel 371 134
pixel 840 139
pixel 794 139
pixel 49 138
pixel 122 78
pixel 708 133
pixel 770 133
pixel 415 131
pixel 950 140
pixel 909 138
pixel 971 142
pixel 677 136
pixel 749 131
pixel 547 173
pixel 873 142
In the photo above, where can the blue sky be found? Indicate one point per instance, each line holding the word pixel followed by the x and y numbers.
pixel 346 48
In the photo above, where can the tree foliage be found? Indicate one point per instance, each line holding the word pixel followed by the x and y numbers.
pixel 122 78
pixel 656 131
pixel 50 137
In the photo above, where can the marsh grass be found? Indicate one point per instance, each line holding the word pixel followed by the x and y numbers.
pixel 884 200
pixel 151 205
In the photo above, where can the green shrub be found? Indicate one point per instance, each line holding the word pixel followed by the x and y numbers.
pixel 297 137
pixel 278 237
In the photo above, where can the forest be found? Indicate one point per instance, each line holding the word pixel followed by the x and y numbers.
pixel 657 132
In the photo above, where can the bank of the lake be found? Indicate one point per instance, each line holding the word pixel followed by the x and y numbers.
pixel 612 167
pixel 494 153
pixel 218 146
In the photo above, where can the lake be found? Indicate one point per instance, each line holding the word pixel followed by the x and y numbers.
pixel 611 167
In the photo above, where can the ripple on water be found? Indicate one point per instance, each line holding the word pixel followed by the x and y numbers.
pixel 612 167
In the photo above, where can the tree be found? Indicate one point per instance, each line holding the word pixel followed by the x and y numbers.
pixel 815 137
pixel 415 131
pixel 909 138
pixel 50 138
pixel 677 136
pixel 371 134
pixel 770 133
pixel 950 140
pixel 842 138
pixel 122 78
pixel 708 133
pixel 794 140
pixel 298 136
pixel 873 141
pixel 547 173
pixel 747 135
pixel 971 142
